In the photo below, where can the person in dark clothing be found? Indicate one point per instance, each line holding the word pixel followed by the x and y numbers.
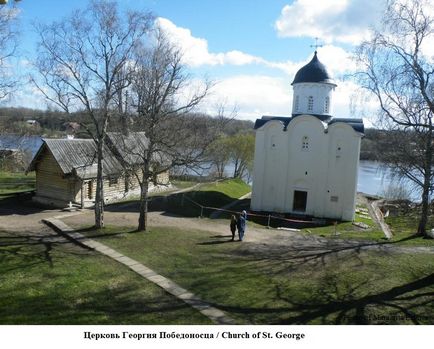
pixel 233 226
pixel 242 225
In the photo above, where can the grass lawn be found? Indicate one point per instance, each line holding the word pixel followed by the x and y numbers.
pixel 183 184
pixel 274 285
pixel 404 228
pixel 16 182
pixel 232 188
pixel 48 283
pixel 347 230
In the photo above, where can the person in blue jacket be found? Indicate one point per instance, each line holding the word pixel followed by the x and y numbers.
pixel 242 225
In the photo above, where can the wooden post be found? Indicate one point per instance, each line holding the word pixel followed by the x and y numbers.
pixel 268 224
pixel 201 212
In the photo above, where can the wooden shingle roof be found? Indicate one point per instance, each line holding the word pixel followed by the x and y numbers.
pixel 78 157
pixel 129 147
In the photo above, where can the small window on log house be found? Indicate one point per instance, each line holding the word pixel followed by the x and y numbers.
pixel 112 181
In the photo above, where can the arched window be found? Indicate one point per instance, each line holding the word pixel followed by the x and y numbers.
pixel 305 143
pixel 310 103
pixel 297 103
pixel 327 104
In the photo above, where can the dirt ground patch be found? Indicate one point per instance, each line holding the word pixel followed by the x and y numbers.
pixel 257 240
pixel 21 217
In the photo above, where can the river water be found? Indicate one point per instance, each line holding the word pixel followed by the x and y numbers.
pixel 25 143
pixel 373 178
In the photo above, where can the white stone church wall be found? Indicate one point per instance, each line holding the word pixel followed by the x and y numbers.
pixel 306 161
pixel 283 164
pixel 266 190
pixel 344 149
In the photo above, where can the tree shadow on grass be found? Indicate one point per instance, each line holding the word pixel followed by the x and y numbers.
pixel 333 298
pixel 349 308
pixel 407 303
pixel 27 250
pixel 303 250
pixel 140 303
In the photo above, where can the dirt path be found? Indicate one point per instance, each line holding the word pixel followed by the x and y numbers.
pixel 21 217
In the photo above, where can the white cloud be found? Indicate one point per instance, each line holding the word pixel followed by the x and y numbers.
pixel 252 95
pixel 336 59
pixel 332 20
pixel 196 53
pixel 259 95
pixel 195 50
pixel 239 58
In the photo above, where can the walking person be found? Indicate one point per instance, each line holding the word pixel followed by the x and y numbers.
pixel 233 226
pixel 242 225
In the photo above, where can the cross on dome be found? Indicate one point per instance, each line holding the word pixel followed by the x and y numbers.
pixel 316 45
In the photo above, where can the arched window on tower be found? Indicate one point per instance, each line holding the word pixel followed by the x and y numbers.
pixel 310 103
pixel 297 103
pixel 327 104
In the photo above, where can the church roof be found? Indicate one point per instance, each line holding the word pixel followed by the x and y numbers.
pixel 314 71
pixel 356 124
pixel 262 121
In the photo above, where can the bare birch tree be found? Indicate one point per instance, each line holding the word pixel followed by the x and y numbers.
pixel 8 45
pixel 83 63
pixel 396 68
pixel 162 96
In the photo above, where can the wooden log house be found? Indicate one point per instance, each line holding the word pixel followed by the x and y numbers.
pixel 66 170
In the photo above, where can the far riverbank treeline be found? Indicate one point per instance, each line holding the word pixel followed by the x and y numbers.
pixel 52 123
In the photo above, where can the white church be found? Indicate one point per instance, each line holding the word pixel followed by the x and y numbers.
pixel 307 164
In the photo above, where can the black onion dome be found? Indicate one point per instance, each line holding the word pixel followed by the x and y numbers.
pixel 314 71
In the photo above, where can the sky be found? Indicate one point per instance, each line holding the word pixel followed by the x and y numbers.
pixel 251 49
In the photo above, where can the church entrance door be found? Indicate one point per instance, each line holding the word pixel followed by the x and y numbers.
pixel 300 201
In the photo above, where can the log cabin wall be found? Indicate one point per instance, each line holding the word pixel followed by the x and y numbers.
pixel 50 181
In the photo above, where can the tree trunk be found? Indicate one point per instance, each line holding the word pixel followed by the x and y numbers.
pixel 426 187
pixel 220 169
pixel 425 207
pixel 99 195
pixel 235 168
pixel 143 216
